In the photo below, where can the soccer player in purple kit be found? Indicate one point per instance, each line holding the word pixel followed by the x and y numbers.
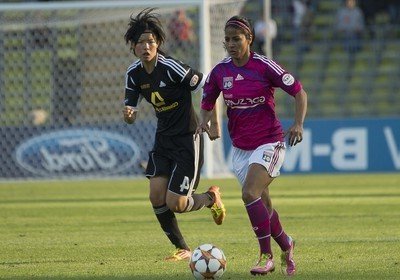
pixel 175 161
pixel 247 81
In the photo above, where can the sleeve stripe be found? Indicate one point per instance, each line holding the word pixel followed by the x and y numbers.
pixel 133 65
pixel 272 64
pixel 133 82
pixel 174 65
pixel 130 68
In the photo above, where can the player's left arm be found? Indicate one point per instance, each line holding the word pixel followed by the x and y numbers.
pixel 295 132
pixel 283 79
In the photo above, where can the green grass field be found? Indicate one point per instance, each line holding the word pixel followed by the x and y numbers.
pixel 345 226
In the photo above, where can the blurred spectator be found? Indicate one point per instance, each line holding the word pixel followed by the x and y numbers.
pixel 350 26
pixel 302 21
pixel 370 8
pixel 181 27
pixel 183 37
pixel 259 31
pixel 261 28
pixel 393 7
pixel 67 88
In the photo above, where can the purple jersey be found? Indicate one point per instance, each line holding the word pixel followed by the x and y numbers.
pixel 249 96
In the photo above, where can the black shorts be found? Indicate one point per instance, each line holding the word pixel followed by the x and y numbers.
pixel 179 158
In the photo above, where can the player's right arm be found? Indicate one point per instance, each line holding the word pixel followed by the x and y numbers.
pixel 214 129
pixel 132 99
pixel 205 117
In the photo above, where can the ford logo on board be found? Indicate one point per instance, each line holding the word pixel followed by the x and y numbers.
pixel 77 153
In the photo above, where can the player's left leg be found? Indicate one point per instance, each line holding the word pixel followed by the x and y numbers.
pixel 185 178
pixel 218 210
pixel 285 242
pixel 288 266
pixel 277 232
pixel 186 203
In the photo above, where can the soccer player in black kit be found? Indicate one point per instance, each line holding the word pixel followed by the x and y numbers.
pixel 176 158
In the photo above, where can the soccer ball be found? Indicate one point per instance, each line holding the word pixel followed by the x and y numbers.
pixel 207 262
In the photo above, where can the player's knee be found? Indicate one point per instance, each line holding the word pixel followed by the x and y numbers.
pixel 176 205
pixel 156 200
pixel 249 195
pixel 176 208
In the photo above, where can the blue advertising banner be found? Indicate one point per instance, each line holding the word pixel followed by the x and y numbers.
pixel 364 145
pixel 354 145
pixel 87 151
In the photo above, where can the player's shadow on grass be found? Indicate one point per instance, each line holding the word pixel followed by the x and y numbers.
pixel 167 276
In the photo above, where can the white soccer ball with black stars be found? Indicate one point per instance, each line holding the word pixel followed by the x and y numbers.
pixel 207 262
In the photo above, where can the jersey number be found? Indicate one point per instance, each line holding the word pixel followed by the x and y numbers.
pixel 185 184
pixel 156 99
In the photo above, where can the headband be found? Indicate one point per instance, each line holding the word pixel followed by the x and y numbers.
pixel 239 24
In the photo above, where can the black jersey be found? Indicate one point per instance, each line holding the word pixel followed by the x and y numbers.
pixel 168 88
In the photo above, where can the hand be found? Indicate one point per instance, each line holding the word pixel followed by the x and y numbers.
pixel 214 132
pixel 202 128
pixel 129 114
pixel 295 134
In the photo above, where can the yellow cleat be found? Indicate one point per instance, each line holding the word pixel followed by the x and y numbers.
pixel 218 210
pixel 179 255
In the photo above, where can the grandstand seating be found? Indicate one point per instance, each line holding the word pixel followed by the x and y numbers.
pixel 366 84
pixel 338 85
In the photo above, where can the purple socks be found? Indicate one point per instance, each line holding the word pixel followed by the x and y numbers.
pixel 277 232
pixel 259 218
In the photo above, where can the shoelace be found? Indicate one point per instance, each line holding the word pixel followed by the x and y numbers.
pixel 263 257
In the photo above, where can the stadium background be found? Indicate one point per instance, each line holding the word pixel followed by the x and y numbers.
pixel 62 78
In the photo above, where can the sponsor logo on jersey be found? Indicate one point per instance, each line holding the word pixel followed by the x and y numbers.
pixel 77 152
pixel 243 103
pixel 288 79
pixel 239 77
pixel 167 108
pixel 227 82
pixel 156 99
pixel 144 86
pixel 194 80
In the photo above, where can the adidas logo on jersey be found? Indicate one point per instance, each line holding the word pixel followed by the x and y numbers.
pixel 162 84
pixel 239 77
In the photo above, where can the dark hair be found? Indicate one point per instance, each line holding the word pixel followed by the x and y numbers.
pixel 145 20
pixel 244 24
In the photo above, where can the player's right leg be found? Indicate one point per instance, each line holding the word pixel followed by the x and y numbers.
pixel 256 180
pixel 253 177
